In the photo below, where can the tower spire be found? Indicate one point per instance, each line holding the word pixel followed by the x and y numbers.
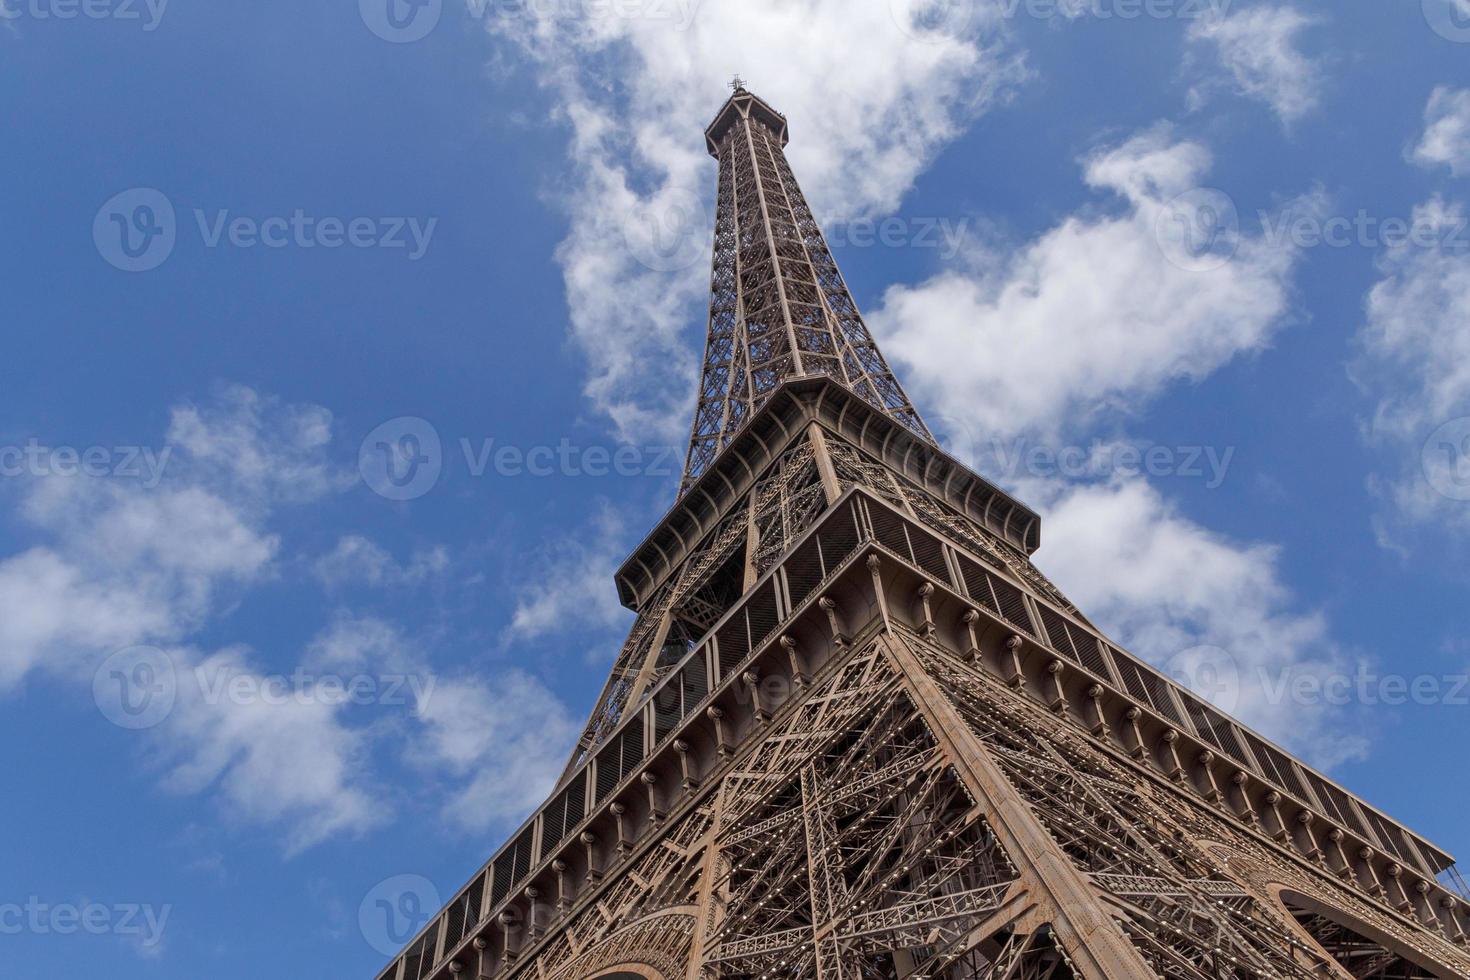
pixel 779 307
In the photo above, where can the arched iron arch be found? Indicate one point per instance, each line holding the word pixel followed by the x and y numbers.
pixel 1365 951
pixel 628 971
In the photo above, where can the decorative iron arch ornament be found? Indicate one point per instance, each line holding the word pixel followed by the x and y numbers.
pixel 856 734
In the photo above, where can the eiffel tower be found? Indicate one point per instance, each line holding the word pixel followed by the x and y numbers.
pixel 855 734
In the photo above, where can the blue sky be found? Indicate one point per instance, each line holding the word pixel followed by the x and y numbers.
pixel 1079 235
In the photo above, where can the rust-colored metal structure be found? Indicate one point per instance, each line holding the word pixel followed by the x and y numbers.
pixel 856 735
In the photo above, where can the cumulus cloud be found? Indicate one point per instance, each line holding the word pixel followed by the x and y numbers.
pixel 283 758
pixel 640 164
pixel 1446 139
pixel 571 585
pixel 510 759
pixel 1258 48
pixel 1166 586
pixel 1098 314
pixel 357 560
pixel 120 563
pixel 258 448
pixel 1070 336
pixel 143 567
pixel 1415 360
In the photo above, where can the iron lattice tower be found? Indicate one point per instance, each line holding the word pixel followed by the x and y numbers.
pixel 779 308
pixel 855 734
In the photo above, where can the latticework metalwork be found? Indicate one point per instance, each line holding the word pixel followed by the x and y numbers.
pixel 779 307
pixel 856 734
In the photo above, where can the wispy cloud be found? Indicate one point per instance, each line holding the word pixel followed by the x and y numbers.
pixel 356 560
pixel 270 738
pixel 1259 51
pixel 1415 360
pixel 569 586
pixel 1446 139
pixel 505 737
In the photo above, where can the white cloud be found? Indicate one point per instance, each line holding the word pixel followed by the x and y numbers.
pixel 288 761
pixel 1079 330
pixel 1259 49
pixel 1165 586
pixel 55 614
pixel 356 559
pixel 1446 140
pixel 871 98
pixel 261 449
pixel 1416 362
pixel 509 735
pixel 571 586
pixel 121 566
pixel 122 563
pixel 363 643
pixel 1099 314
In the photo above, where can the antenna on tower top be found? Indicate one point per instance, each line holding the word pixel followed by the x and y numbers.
pixel 737 84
